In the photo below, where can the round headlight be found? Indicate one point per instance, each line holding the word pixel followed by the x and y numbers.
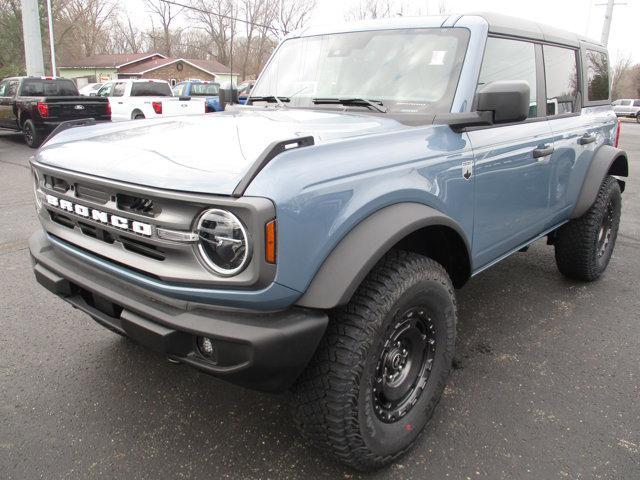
pixel 223 242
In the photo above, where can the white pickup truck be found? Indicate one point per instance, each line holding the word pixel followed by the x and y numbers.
pixel 146 98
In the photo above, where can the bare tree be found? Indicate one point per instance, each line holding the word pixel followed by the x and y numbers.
pixel 370 9
pixel 166 14
pixel 290 15
pixel 214 18
pixel 618 72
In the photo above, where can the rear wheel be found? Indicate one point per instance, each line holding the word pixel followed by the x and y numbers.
pixel 638 117
pixel 382 366
pixel 138 116
pixel 32 137
pixel 583 247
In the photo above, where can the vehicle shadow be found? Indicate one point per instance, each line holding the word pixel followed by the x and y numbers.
pixel 218 428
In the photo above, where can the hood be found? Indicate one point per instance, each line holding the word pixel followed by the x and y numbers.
pixel 205 153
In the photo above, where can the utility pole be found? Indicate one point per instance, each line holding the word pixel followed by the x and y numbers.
pixel 606 27
pixel 32 38
pixel 51 42
pixel 608 15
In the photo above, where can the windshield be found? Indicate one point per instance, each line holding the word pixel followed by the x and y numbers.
pixel 408 70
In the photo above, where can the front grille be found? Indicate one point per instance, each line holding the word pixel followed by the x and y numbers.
pixel 119 223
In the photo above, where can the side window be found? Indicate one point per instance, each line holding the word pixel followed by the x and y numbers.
pixel 118 89
pixel 636 103
pixel 506 59
pixel 561 77
pixel 615 103
pixel 105 91
pixel 12 88
pixel 597 66
pixel 3 87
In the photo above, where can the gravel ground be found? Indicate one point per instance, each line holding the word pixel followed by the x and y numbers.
pixel 547 384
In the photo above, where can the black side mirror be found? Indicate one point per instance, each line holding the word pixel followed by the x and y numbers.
pixel 228 95
pixel 507 99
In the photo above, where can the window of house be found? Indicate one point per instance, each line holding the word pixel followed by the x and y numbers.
pixel 506 59
pixel 597 65
pixel 561 78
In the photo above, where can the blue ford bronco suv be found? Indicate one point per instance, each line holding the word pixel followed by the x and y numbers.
pixel 375 169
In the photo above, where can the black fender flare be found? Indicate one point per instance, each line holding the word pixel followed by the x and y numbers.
pixel 357 253
pixel 607 160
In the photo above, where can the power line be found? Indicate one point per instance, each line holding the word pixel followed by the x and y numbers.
pixel 221 15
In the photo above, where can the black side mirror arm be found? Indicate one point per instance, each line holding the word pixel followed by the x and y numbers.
pixel 459 121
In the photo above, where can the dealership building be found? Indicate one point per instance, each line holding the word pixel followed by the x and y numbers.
pixel 101 68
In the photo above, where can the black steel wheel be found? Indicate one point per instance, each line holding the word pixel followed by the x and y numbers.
pixel 404 365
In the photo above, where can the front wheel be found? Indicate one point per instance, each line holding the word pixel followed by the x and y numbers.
pixel 638 118
pixel 583 247
pixel 382 365
pixel 32 137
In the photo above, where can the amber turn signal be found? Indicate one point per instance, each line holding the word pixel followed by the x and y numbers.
pixel 270 242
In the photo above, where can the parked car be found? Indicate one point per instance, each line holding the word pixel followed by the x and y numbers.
pixel 210 91
pixel 37 105
pixel 147 98
pixel 90 89
pixel 318 246
pixel 627 108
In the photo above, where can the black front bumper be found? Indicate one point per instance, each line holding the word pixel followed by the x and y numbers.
pixel 263 351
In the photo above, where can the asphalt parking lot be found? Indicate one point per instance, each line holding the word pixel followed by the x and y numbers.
pixel 547 384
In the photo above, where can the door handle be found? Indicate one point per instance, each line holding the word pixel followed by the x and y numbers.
pixel 120 103
pixel 586 139
pixel 543 151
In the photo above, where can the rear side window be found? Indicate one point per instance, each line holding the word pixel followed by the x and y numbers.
pixel 35 87
pixel 510 60
pixel 150 89
pixel 561 77
pixel 597 76
pixel 636 103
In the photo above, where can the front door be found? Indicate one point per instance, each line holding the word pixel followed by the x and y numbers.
pixel 512 162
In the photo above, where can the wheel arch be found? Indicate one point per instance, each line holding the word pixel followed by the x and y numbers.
pixel 410 226
pixel 607 160
pixel 135 112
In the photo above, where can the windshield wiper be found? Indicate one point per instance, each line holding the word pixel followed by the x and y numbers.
pixel 358 102
pixel 270 99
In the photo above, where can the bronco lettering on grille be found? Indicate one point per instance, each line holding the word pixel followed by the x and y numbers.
pixel 100 216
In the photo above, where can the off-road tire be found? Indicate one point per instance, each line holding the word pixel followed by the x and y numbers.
pixel 32 136
pixel 579 253
pixel 333 401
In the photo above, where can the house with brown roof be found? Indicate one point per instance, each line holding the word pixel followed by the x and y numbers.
pixel 101 68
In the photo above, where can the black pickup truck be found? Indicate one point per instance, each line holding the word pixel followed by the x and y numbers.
pixel 37 105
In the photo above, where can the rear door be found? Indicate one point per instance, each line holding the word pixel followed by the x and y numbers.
pixel 575 135
pixel 8 90
pixel 512 162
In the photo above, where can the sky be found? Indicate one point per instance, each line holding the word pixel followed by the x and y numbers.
pixel 584 17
